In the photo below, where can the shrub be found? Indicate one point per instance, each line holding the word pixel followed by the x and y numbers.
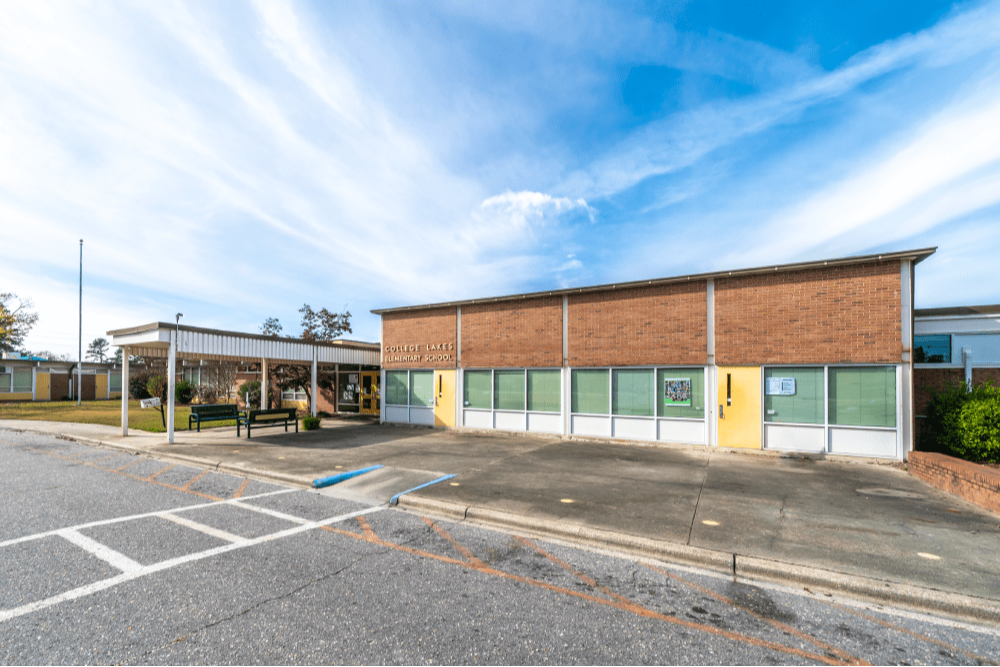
pixel 964 423
pixel 137 385
pixel 250 393
pixel 310 423
pixel 156 386
pixel 183 391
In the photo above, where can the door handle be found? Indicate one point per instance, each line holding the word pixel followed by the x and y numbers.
pixel 721 414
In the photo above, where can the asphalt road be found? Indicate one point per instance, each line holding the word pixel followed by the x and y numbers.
pixel 111 558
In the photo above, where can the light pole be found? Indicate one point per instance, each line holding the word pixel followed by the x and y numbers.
pixel 79 363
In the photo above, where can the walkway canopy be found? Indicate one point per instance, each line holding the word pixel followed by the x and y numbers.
pixel 171 341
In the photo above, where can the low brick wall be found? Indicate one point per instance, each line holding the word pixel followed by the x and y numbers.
pixel 977 484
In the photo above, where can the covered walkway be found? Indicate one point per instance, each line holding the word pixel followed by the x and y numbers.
pixel 173 342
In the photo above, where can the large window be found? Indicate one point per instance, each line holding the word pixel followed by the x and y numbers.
pixel 22 380
pixel 4 383
pixel 863 396
pixel 422 389
pixel 680 392
pixel 589 393
pixel 298 394
pixel 793 395
pixel 932 349
pixel 508 390
pixel 397 388
pixel 544 391
pixel 478 390
pixel 115 381
pixel 632 392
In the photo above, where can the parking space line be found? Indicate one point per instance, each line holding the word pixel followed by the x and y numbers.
pixel 194 479
pixel 458 547
pixel 208 530
pixel 95 548
pixel 243 487
pixel 160 472
pixel 133 517
pixel 590 581
pixel 130 463
pixel 265 510
pixel 142 571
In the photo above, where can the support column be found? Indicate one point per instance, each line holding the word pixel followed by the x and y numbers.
pixel 712 374
pixel 336 389
pixel 124 392
pixel 171 382
pixel 315 396
pixel 967 362
pixel 264 383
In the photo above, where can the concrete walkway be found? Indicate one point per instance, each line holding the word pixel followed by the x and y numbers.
pixel 853 526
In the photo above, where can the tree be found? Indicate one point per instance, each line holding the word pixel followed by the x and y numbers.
pixel 132 358
pixel 16 320
pixel 98 350
pixel 321 325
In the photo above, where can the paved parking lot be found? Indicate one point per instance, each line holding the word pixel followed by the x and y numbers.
pixel 112 558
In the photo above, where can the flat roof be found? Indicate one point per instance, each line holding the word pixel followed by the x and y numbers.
pixel 167 326
pixel 956 311
pixel 915 255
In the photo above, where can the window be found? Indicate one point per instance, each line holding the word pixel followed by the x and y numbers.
pixel 932 349
pixel 115 381
pixel 422 389
pixel 508 390
pixel 297 395
pixel 5 383
pixel 680 392
pixel 863 396
pixel 22 380
pixel 544 391
pixel 192 375
pixel 478 390
pixel 632 392
pixel 794 395
pixel 397 388
pixel 589 394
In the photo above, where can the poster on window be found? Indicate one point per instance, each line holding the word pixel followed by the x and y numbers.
pixel 780 386
pixel 676 391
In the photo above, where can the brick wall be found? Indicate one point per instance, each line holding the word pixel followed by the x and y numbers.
pixel 978 484
pixel 848 314
pixel 420 339
pixel 661 325
pixel 512 334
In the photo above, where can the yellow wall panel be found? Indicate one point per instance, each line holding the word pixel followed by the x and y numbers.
pixel 15 397
pixel 42 387
pixel 444 398
pixel 101 388
pixel 740 415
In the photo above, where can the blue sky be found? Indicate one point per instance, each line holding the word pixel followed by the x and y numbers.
pixel 234 160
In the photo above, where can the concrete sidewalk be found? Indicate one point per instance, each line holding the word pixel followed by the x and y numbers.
pixel 853 526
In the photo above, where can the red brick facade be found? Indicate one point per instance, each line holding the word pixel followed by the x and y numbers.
pixel 420 339
pixel 849 314
pixel 662 325
pixel 512 334
pixel 978 484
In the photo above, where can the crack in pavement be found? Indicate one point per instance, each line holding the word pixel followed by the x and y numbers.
pixel 256 606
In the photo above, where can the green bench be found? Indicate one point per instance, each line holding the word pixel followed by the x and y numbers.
pixel 216 413
pixel 274 417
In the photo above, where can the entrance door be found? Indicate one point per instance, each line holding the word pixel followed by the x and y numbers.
pixel 739 406
pixel 370 393
pixel 444 398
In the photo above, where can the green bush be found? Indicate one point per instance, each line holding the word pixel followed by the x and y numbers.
pixel 156 385
pixel 137 385
pixel 183 391
pixel 250 388
pixel 964 423
pixel 310 423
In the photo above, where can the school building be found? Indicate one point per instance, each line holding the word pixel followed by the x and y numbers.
pixel 810 357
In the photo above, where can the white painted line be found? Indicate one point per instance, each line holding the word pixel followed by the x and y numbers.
pixel 96 587
pixel 265 510
pixel 133 517
pixel 208 530
pixel 107 554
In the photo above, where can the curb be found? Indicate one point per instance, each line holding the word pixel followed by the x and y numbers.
pixel 868 589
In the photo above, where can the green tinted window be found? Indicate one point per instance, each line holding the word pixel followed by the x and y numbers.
pixel 5 382
pixel 632 392
pixel 863 396
pixel 22 380
pixel 116 381
pixel 422 388
pixel 478 389
pixel 590 392
pixel 793 395
pixel 680 392
pixel 508 390
pixel 544 391
pixel 397 392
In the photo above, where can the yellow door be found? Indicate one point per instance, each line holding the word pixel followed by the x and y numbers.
pixel 370 393
pixel 444 398
pixel 42 387
pixel 739 407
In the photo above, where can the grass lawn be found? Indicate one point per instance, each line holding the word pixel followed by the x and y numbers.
pixel 101 412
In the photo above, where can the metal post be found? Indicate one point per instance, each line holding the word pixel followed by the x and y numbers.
pixel 967 360
pixel 124 391
pixel 171 384
pixel 315 397
pixel 79 363
pixel 263 384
